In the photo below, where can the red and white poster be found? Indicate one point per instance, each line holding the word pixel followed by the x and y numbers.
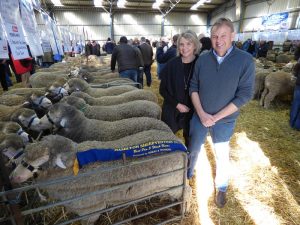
pixel 9 10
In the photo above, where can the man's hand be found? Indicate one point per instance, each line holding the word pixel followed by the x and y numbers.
pixel 182 108
pixel 206 119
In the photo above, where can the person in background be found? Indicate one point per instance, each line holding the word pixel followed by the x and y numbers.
pixel 95 48
pixel 88 48
pixel 175 81
pixel 222 82
pixel 77 50
pixel 147 54
pixel 205 45
pixel 3 74
pixel 129 60
pixel 161 46
pixel 262 49
pixel 109 46
pixel 295 107
pixel 163 55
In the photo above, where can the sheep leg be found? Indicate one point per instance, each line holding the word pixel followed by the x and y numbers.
pixel 263 95
pixel 268 98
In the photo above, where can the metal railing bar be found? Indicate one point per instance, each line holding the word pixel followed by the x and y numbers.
pixel 171 220
pixel 148 213
pixel 97 192
pixel 119 206
pixel 94 171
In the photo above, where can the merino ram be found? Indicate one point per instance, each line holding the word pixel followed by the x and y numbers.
pixel 76 84
pixel 72 123
pixel 118 99
pixel 45 79
pixel 277 84
pixel 138 108
pixel 147 177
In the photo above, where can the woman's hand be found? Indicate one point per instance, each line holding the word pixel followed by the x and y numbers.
pixel 182 108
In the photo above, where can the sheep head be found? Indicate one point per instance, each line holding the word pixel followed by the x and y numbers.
pixel 76 84
pixel 50 152
pixel 56 92
pixel 62 115
pixel 12 147
pixel 78 103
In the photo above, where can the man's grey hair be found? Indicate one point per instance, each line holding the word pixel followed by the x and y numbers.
pixel 221 22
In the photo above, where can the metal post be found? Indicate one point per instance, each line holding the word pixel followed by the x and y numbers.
pixel 162 33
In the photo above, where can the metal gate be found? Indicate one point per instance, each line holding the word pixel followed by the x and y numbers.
pixel 169 179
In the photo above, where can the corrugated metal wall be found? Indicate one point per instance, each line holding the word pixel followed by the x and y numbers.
pixel 97 24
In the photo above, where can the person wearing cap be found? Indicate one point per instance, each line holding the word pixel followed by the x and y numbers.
pixel 147 54
pixel 129 60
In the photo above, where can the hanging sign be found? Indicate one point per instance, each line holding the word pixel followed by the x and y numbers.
pixel 30 26
pixel 3 44
pixel 36 4
pixel 276 21
pixel 9 10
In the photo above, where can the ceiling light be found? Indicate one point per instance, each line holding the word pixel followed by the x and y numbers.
pixel 200 2
pixel 98 3
pixel 57 3
pixel 157 4
pixel 121 3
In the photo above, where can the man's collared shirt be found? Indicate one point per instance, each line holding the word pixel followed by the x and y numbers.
pixel 220 59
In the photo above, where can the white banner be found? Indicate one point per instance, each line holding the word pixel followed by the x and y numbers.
pixel 66 38
pixel 9 10
pixel 52 32
pixel 36 4
pixel 45 42
pixel 3 44
pixel 30 26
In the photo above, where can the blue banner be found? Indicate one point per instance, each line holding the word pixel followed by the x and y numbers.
pixel 94 155
pixel 276 21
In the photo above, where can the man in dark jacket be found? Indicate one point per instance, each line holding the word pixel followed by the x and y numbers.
pixel 164 56
pixel 109 46
pixel 147 54
pixel 129 60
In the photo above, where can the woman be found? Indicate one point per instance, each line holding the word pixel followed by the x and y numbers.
pixel 175 81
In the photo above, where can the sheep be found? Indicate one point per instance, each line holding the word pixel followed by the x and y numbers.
pixel 12 146
pixel 76 84
pixel 45 79
pixel 118 99
pixel 72 123
pixel 28 119
pixel 56 150
pixel 25 91
pixel 138 108
pixel 14 128
pixel 56 92
pixel 282 59
pixel 277 83
pixel 7 111
pixel 259 83
pixel 12 100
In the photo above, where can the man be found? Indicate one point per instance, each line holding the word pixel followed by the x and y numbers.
pixel 164 54
pixel 147 54
pixel 129 60
pixel 222 82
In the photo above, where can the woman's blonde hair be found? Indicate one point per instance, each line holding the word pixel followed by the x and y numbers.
pixel 192 37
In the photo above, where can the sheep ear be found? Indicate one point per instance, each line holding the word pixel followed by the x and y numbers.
pixel 26 104
pixel 63 122
pixel 59 162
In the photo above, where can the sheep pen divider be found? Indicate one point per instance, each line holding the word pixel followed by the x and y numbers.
pixel 171 182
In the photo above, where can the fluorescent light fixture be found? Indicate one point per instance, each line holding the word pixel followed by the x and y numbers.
pixel 121 3
pixel 98 3
pixel 200 2
pixel 157 4
pixel 57 3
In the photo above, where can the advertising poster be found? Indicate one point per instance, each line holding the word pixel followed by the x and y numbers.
pixel 9 10
pixel 3 44
pixel 276 21
pixel 30 27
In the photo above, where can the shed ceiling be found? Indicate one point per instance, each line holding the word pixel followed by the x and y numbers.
pixel 134 5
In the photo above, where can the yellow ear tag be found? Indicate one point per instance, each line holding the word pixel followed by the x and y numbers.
pixel 75 167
